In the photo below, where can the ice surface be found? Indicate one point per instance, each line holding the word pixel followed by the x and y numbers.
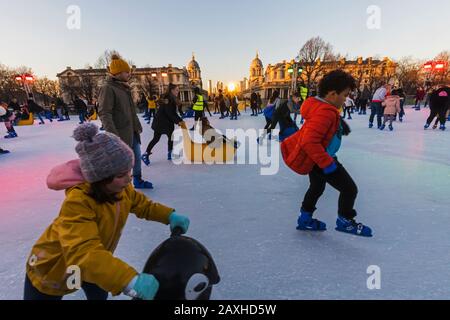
pixel 248 221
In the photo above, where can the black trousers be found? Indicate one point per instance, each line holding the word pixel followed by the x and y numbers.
pixel 339 180
pixel 234 112
pixel 198 115
pixel 268 125
pixel 155 140
pixel 441 112
pixel 363 105
pixel 347 110
pixel 223 112
pixel 92 292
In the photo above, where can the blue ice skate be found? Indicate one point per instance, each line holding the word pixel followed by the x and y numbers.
pixel 141 184
pixel 350 226
pixel 307 223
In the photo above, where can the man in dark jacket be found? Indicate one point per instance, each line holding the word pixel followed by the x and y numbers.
pixel 364 100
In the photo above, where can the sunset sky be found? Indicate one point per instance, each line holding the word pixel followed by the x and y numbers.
pixel 224 35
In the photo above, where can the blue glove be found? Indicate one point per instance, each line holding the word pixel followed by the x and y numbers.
pixel 144 286
pixel 179 221
pixel 330 169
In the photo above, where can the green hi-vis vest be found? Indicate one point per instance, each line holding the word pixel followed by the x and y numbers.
pixel 198 106
pixel 303 93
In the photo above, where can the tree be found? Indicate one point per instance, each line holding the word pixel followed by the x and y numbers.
pixel 314 57
pixel 9 87
pixel 408 70
pixel 89 88
pixel 105 59
pixel 71 86
pixel 48 88
pixel 83 85
pixel 379 72
pixel 149 86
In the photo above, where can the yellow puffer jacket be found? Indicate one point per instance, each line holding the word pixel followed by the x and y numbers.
pixel 85 234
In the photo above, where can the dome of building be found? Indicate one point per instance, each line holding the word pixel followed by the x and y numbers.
pixel 193 64
pixel 256 63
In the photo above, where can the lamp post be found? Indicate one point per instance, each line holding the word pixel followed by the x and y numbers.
pixel 433 68
pixel 26 80
pixel 295 70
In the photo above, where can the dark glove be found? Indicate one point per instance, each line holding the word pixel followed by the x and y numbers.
pixel 345 128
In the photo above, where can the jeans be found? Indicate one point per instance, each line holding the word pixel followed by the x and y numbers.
pixel 137 169
pixel 341 181
pixel 92 292
pixel 82 116
pixel 376 109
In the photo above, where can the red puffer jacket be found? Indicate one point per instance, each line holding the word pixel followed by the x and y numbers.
pixel 308 146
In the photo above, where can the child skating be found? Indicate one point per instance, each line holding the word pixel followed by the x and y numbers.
pixel 312 151
pixel 99 198
pixel 391 108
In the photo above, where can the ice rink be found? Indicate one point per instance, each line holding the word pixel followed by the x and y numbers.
pixel 248 221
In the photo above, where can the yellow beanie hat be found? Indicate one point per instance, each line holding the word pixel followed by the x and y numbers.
pixel 118 65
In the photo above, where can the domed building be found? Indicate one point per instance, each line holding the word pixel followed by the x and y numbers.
pixel 278 76
pixel 256 72
pixel 149 80
pixel 195 74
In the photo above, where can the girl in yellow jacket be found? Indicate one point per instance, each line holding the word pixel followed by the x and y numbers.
pixel 77 249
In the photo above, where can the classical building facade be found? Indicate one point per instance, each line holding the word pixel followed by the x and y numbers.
pixel 280 76
pixel 148 80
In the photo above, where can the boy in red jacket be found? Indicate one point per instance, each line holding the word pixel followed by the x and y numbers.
pixel 313 151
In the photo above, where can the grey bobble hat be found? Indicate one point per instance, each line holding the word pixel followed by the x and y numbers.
pixel 102 155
